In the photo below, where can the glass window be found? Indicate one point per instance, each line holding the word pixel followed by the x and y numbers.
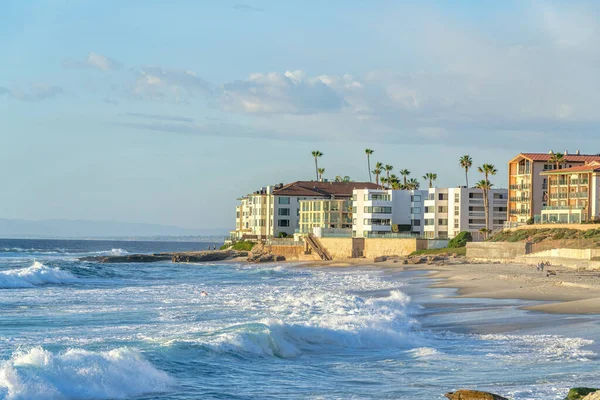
pixel 442 209
pixel 284 200
pixel 443 196
pixel 283 222
pixel 442 222
pixel 415 198
pixel 416 222
pixel 415 210
pixel 283 211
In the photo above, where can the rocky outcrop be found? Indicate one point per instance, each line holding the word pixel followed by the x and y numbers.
pixel 473 395
pixel 593 396
pixel 206 256
pixel 582 393
pixel 264 257
pixel 190 256
pixel 130 258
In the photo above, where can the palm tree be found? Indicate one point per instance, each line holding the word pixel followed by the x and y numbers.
pixel 316 154
pixel 487 170
pixel 377 171
pixel 412 184
pixel 394 182
pixel 405 173
pixel 430 176
pixel 485 187
pixel 466 162
pixel 368 152
pixel 384 182
pixel 388 168
pixel 321 172
pixel 557 158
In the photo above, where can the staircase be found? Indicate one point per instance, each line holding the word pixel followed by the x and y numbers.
pixel 316 245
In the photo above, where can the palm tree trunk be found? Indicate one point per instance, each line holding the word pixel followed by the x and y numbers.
pixel 486 206
pixel 467 177
pixel 369 166
pixel 317 168
pixel 377 179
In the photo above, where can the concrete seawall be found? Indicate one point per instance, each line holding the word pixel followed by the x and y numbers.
pixel 496 250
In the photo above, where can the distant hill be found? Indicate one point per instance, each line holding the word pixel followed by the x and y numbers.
pixel 64 228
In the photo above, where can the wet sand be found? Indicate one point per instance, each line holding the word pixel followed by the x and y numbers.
pixel 567 292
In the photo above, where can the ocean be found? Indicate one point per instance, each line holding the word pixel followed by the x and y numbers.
pixel 81 330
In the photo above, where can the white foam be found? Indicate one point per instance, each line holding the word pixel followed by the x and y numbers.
pixel 37 274
pixel 79 374
pixel 424 352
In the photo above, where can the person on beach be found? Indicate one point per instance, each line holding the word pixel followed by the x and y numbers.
pixel 214 246
pixel 203 294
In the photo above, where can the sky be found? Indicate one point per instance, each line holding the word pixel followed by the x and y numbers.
pixel 166 112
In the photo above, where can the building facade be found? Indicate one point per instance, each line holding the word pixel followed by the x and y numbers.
pixel 528 188
pixel 325 213
pixel 573 194
pixel 437 213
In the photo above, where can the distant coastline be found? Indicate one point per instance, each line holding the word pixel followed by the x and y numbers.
pixel 198 239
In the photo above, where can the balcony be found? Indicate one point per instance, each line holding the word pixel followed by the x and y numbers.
pixel 521 199
pixel 520 212
pixel 580 182
pixel 524 186
pixel 523 171
pixel 562 208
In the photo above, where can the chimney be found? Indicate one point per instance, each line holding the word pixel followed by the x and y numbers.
pixel 578 152
pixel 550 152
pixel 566 153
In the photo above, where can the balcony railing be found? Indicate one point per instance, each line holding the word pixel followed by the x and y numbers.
pixel 520 199
pixel 579 181
pixel 523 171
pixel 524 186
pixel 520 212
pixel 562 208
pixel 572 195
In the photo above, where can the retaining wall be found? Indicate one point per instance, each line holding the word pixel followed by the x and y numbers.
pixel 496 250
pixel 581 227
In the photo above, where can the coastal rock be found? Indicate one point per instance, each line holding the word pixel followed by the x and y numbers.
pixel 204 256
pixel 593 396
pixel 130 258
pixel 279 258
pixel 380 259
pixel 473 395
pixel 580 393
pixel 416 260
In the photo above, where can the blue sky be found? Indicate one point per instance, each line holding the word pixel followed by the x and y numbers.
pixel 165 112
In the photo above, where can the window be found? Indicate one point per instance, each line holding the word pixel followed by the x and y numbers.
pixel 415 210
pixel 442 209
pixel 354 210
pixel 456 225
pixel 415 198
pixel 283 222
pixel 284 200
pixel 354 221
pixel 377 221
pixel 430 222
pixel 443 222
pixel 443 196
pixel 431 196
pixel 297 212
pixel 503 196
pixel 379 196
pixel 283 211
pixel 237 214
pixel 456 196
pixel 416 222
pixel 354 198
pixel 429 209
pixel 378 210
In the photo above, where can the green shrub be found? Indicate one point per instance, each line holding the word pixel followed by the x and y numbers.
pixel 224 247
pixel 282 235
pixel 460 240
pixel 590 233
pixel 243 246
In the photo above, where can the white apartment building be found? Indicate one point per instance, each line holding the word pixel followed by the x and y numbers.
pixel 434 213
pixel 275 210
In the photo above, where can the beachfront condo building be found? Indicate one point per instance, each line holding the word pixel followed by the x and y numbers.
pixel 325 213
pixel 573 194
pixel 528 187
pixel 436 213
pixel 274 211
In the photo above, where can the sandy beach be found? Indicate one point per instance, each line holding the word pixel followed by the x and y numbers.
pixel 567 292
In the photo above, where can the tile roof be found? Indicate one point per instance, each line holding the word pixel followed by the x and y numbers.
pixel 593 167
pixel 322 189
pixel 568 158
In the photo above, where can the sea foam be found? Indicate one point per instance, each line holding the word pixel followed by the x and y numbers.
pixel 35 275
pixel 79 374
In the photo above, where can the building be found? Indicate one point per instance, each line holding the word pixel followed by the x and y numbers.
pixel 434 213
pixel 325 213
pixel 275 210
pixel 573 194
pixel 528 189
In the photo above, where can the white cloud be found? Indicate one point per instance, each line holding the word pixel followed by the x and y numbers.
pixel 36 92
pixel 94 60
pixel 155 83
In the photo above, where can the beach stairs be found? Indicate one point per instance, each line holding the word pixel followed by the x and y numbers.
pixel 318 248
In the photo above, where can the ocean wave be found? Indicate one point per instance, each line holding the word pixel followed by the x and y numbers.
pixel 359 324
pixel 35 275
pixel 79 374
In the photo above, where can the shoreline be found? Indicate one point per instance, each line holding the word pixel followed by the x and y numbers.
pixel 567 292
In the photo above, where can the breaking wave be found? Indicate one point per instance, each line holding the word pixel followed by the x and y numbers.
pixel 79 374
pixel 35 275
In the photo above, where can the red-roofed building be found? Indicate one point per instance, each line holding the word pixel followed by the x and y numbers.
pixel 573 194
pixel 528 189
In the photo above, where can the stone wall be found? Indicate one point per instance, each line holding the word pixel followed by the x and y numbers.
pixel 338 247
pixel 391 247
pixel 291 252
pixel 496 250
